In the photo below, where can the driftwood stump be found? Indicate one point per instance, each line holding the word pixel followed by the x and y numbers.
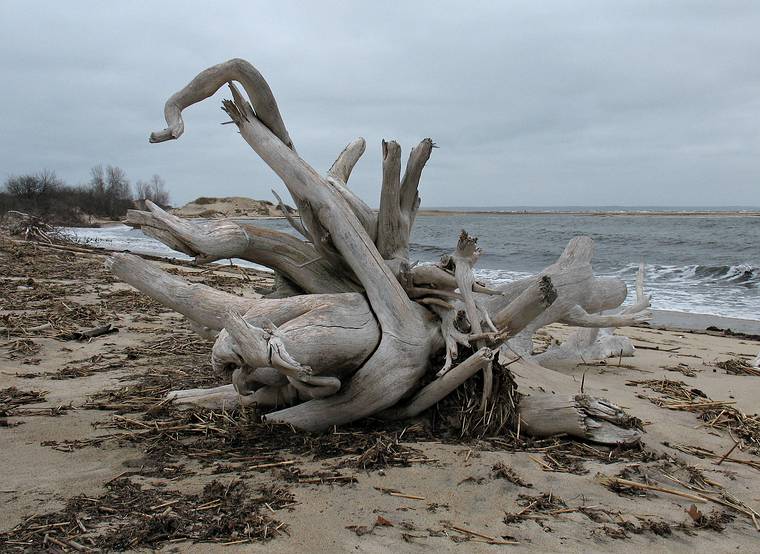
pixel 356 329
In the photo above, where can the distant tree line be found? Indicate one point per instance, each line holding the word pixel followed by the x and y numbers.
pixel 107 195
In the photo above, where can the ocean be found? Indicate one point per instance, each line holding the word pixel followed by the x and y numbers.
pixel 695 264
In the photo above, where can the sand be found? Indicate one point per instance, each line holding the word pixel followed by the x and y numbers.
pixel 441 501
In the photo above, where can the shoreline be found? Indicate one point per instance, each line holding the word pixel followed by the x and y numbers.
pixel 672 320
pixel 433 212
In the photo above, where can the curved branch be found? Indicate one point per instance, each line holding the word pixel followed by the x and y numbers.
pixel 435 277
pixel 200 303
pixel 208 82
pixel 208 306
pixel 338 176
pixel 578 317
pixel 273 145
pixel 346 233
pixel 406 328
pixel 206 241
pixel 643 301
pixel 346 160
pixel 295 223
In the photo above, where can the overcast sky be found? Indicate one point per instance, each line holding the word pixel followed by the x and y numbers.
pixel 531 103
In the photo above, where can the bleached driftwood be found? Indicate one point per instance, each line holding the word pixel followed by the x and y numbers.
pixel 365 327
pixel 551 403
pixel 594 343
pixel 582 297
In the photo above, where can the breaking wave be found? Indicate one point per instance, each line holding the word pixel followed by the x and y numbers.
pixel 724 290
pixel 741 274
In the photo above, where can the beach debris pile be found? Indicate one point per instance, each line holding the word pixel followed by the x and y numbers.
pixel 716 414
pixel 737 366
pixel 11 398
pixel 31 227
pixel 131 516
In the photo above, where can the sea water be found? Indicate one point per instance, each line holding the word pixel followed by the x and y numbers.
pixel 697 264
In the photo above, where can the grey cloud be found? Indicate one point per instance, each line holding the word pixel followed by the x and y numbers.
pixel 625 103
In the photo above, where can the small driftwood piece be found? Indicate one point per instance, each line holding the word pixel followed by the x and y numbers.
pixel 358 330
pixel 90 333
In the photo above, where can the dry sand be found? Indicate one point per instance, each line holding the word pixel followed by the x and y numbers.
pixel 448 495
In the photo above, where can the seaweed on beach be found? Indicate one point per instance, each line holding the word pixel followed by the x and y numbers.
pixel 237 440
pixel 716 520
pixel 537 507
pixel 461 414
pixel 721 415
pixel 717 331
pixel 681 368
pixel 12 397
pixel 503 471
pixel 130 516
pixel 20 348
pixel 30 259
pixel 12 400
pixel 387 451
pixel 736 366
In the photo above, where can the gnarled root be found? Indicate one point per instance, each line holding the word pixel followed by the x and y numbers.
pixel 262 349
pixel 392 371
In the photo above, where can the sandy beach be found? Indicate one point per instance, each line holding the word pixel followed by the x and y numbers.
pixel 91 457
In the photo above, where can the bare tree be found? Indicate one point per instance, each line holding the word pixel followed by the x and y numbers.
pixel 39 194
pixel 153 190
pixel 33 186
pixel 98 179
pixel 108 191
